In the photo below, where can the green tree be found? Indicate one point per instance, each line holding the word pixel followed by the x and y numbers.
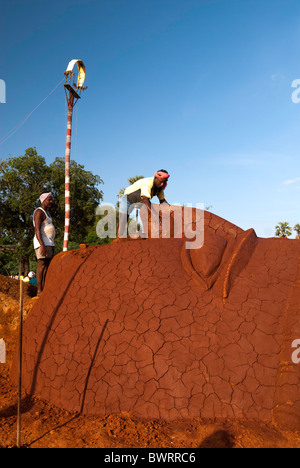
pixel 85 197
pixel 297 229
pixel 22 180
pixel 8 263
pixel 283 230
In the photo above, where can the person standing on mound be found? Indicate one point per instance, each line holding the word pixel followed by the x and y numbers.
pixel 142 191
pixel 43 241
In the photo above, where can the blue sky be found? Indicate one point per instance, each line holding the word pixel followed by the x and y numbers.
pixel 202 88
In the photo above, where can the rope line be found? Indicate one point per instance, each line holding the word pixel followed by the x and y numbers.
pixel 20 124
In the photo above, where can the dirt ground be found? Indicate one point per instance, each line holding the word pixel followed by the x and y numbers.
pixel 46 426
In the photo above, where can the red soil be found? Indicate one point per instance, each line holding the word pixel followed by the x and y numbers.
pixel 143 343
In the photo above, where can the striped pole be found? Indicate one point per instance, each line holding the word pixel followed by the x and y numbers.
pixel 72 92
pixel 67 173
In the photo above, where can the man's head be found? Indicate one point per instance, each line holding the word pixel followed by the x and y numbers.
pixel 161 178
pixel 46 200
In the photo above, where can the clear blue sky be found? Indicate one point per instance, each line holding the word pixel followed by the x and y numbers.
pixel 202 88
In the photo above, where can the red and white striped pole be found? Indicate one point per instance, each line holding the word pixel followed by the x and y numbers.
pixel 71 94
pixel 67 172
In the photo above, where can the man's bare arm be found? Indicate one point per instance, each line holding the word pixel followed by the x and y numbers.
pixel 147 203
pixel 164 201
pixel 39 217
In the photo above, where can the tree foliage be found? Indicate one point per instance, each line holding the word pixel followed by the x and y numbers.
pixel 283 230
pixel 297 229
pixel 23 179
pixel 84 195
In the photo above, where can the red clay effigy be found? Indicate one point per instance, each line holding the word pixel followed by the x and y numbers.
pixel 152 328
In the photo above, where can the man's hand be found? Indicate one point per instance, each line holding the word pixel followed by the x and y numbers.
pixel 43 251
pixel 164 202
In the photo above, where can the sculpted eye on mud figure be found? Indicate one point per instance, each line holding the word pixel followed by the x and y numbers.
pixel 153 328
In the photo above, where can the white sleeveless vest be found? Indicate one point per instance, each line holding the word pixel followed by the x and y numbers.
pixel 47 231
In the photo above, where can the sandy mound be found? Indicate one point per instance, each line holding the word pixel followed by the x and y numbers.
pixel 10 306
pixel 150 328
pixel 45 425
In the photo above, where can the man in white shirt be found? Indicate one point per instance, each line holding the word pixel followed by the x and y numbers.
pixel 43 241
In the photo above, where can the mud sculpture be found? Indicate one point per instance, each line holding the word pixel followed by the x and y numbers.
pixel 149 327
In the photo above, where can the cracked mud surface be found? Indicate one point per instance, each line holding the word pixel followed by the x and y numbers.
pixel 147 328
pixel 43 425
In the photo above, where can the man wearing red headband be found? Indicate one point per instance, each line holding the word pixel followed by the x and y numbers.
pixel 143 191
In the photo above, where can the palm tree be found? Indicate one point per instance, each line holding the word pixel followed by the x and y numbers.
pixel 297 229
pixel 131 180
pixel 134 179
pixel 121 193
pixel 283 230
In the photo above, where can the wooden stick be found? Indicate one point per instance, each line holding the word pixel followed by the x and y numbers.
pixel 20 366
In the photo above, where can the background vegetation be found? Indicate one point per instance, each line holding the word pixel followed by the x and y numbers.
pixel 22 180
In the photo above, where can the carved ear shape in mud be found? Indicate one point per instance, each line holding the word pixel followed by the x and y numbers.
pixel 219 261
pixel 202 264
pixel 207 259
pixel 244 248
